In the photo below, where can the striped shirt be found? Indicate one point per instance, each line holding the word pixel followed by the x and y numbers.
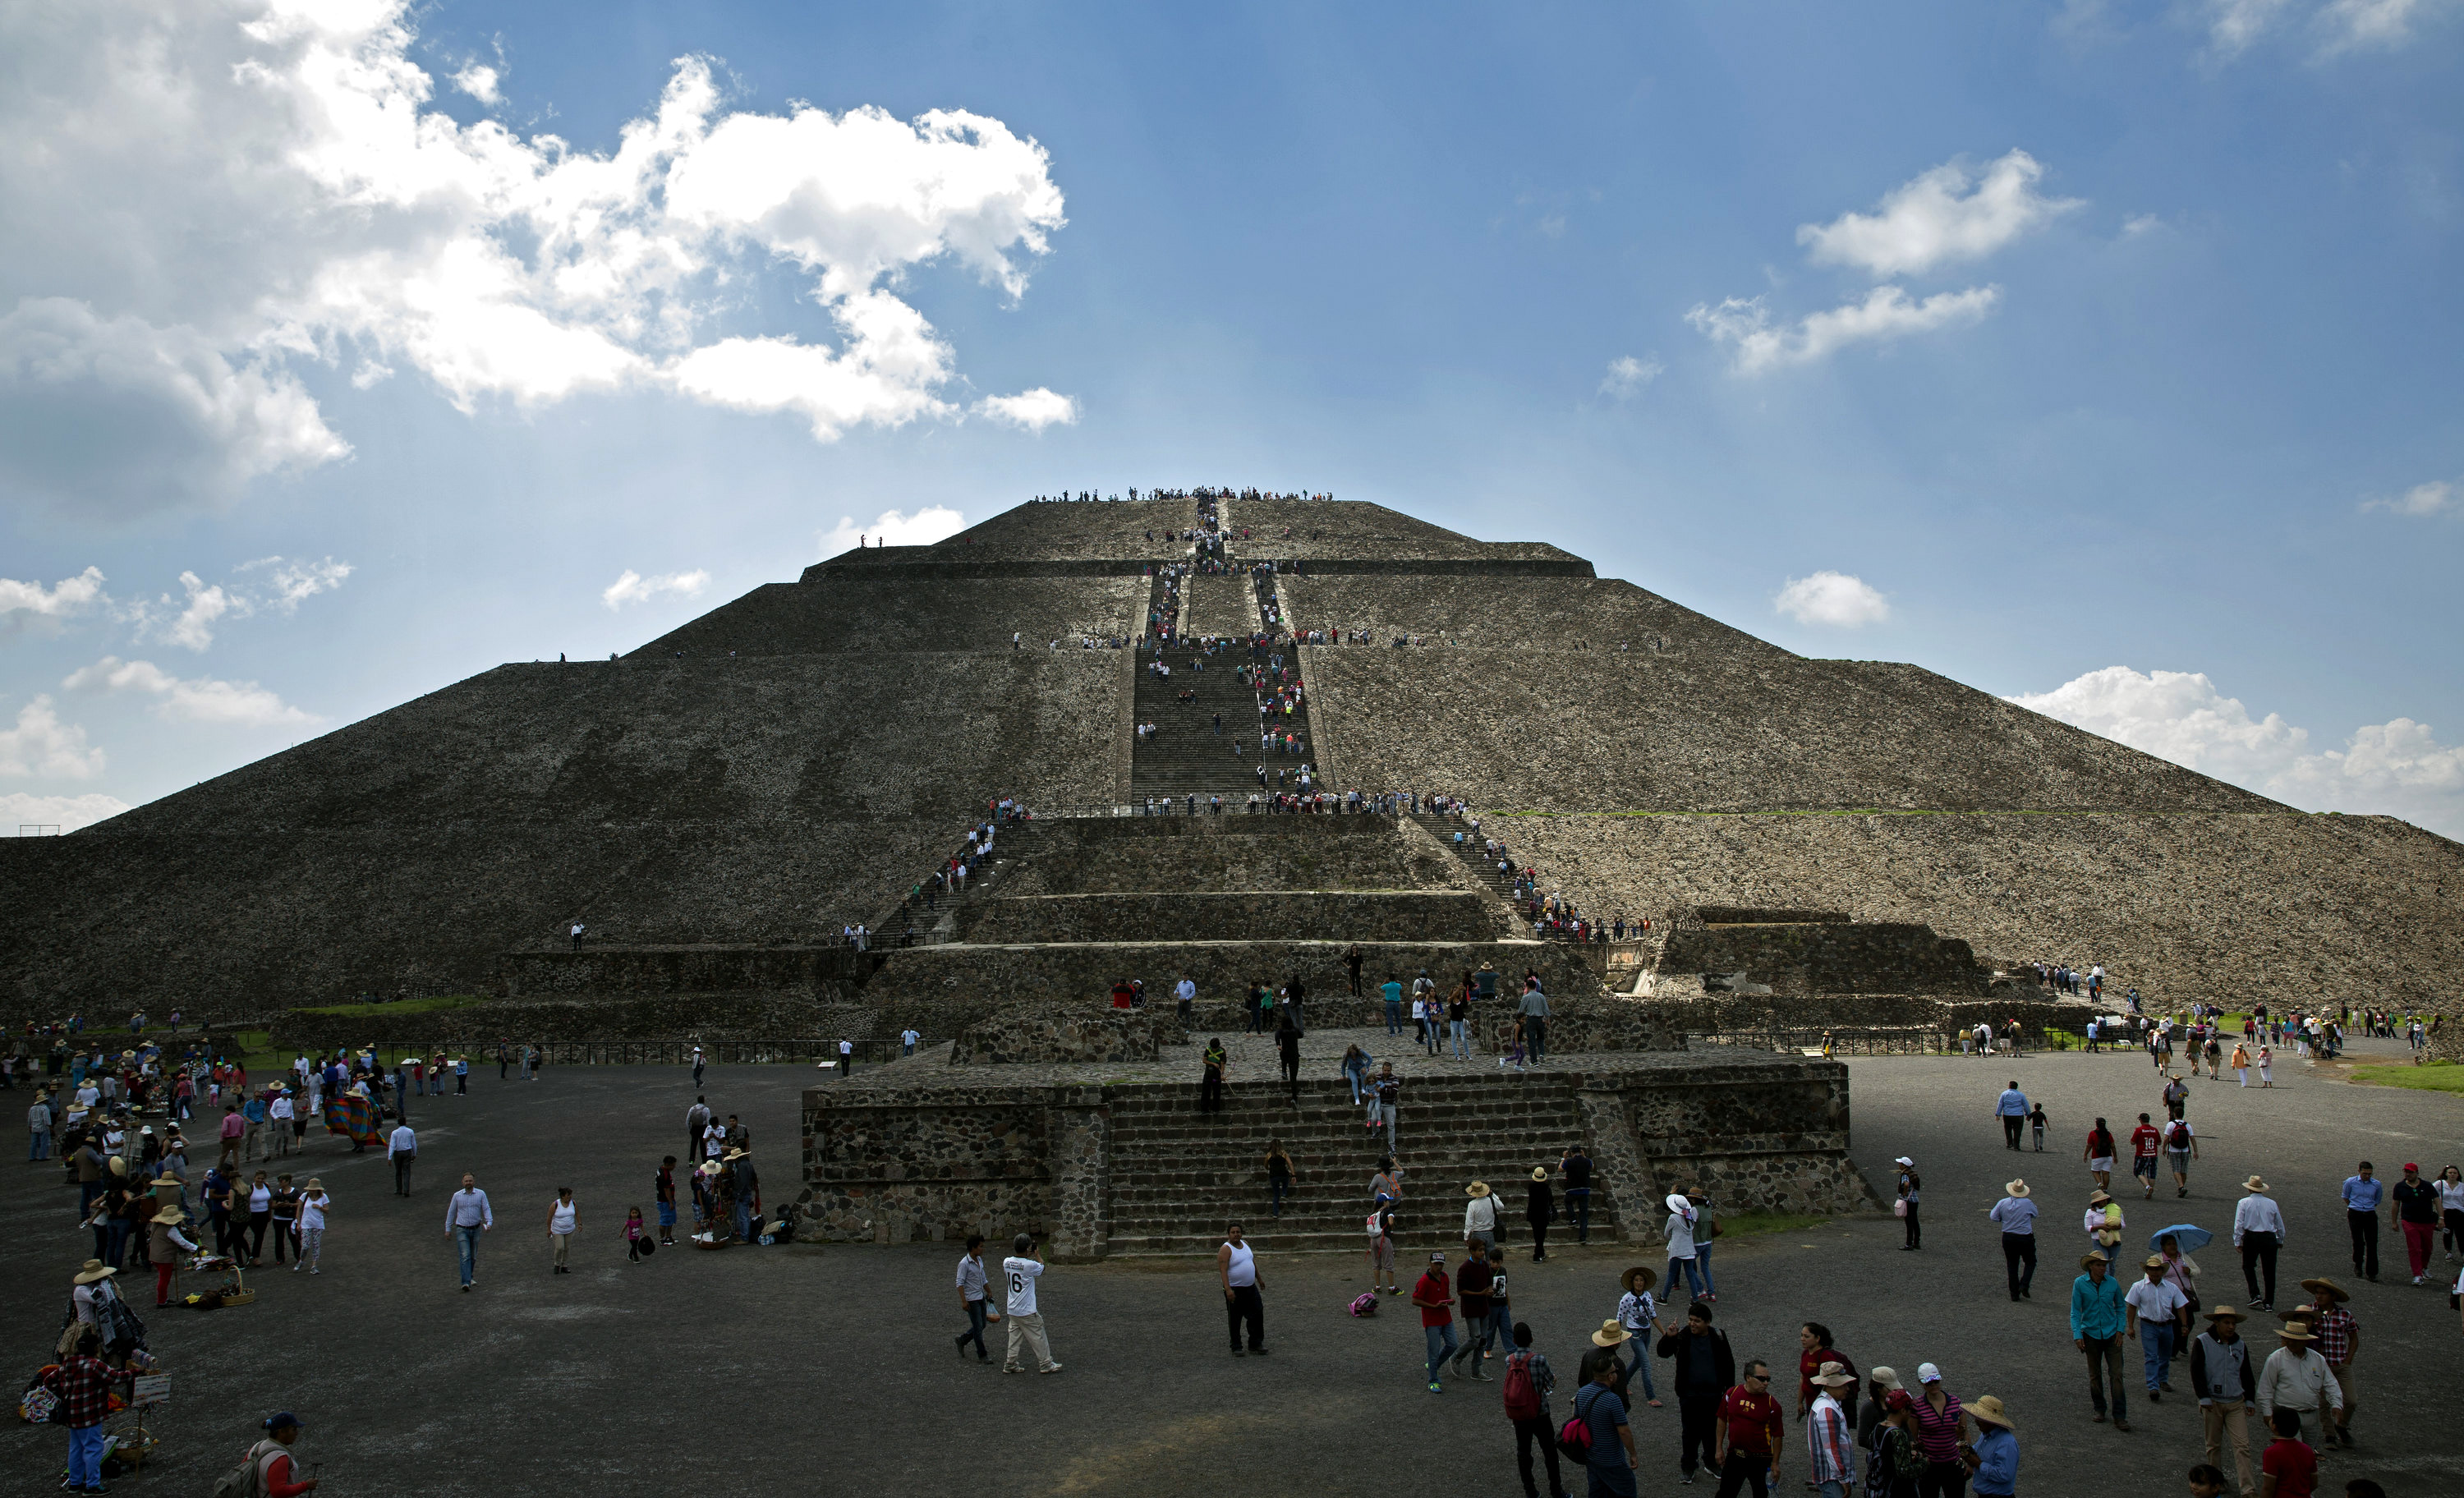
pixel 1832 1455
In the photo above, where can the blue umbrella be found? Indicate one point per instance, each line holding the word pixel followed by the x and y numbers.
pixel 2186 1238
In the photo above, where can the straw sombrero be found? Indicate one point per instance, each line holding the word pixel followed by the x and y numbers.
pixel 2094 1256
pixel 94 1269
pixel 1539 1173
pixel 1610 1334
pixel 1988 1409
pixel 1644 1273
pixel 2017 1188
pixel 2326 1287
pixel 1478 1188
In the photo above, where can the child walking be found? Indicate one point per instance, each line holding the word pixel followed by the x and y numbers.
pixel 634 1234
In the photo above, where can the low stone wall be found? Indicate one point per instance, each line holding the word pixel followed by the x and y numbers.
pixel 1029 1033
pixel 1859 1011
pixel 941 990
pixel 811 972
pixel 1588 1024
pixel 1226 854
pixel 1333 915
pixel 682 1016
pixel 1864 957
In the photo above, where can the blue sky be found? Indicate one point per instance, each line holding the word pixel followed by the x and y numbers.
pixel 2153 423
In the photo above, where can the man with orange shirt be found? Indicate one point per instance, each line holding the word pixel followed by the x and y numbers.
pixel 2145 1142
pixel 1745 1441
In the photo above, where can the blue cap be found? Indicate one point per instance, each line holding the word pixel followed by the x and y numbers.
pixel 281 1418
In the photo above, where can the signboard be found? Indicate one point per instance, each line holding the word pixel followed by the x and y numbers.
pixel 149 1389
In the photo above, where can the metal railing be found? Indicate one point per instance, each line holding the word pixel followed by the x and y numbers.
pixel 718 1053
pixel 1872 1041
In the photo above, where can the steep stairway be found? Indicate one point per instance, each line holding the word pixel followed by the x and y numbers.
pixel 1186 755
pixel 1179 1175
pixel 1471 850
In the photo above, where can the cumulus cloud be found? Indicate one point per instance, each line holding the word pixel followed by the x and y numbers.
pixel 2436 497
pixel 193 626
pixel 21 603
pixel 200 699
pixel 2335 28
pixel 1628 375
pixel 631 587
pixel 893 529
pixel 1032 409
pixel 67 814
pixel 1758 344
pixel 41 744
pixel 1944 215
pixel 295 581
pixel 2233 25
pixel 1832 598
pixel 276 184
pixel 2397 767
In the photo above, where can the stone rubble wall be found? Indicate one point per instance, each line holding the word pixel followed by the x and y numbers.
pixel 1866 957
pixel 1357 534
pixel 806 972
pixel 1098 530
pixel 2363 910
pixel 1029 1034
pixel 837 613
pixel 1324 915
pixel 1718 731
pixel 473 1027
pixel 1231 853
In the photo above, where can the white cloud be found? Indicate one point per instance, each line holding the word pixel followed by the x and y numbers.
pixel 1832 598
pixel 295 581
pixel 41 744
pixel 193 627
pixel 68 813
pixel 2398 767
pixel 1944 214
pixel 480 82
pixel 2139 224
pixel 2356 25
pixel 23 601
pixel 1032 409
pixel 2436 497
pixel 201 699
pixel 1628 375
pixel 1744 323
pixel 275 183
pixel 2233 25
pixel 892 529
pixel 631 587
pixel 2338 26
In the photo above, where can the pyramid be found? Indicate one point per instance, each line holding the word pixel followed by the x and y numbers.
pixel 718 804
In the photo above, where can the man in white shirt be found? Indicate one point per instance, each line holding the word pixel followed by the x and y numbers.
pixel 2296 1378
pixel 402 1148
pixel 1184 994
pixel 971 1281
pixel 1019 1272
pixel 468 1215
pixel 2157 1311
pixel 906 1039
pixel 281 1111
pixel 2258 1232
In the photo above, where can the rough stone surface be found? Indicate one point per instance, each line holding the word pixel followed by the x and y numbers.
pixel 1824 956
pixel 1027 1034
pixel 1257 915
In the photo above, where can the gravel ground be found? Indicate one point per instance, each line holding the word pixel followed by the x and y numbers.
pixel 827 1367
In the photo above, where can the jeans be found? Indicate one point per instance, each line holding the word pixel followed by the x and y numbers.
pixel 2103 1360
pixel 40 1149
pixel 975 1332
pixel 2156 1343
pixel 1245 1305
pixel 1579 1206
pixel 1701 1264
pixel 1278 1187
pixel 85 1455
pixel 1693 1277
pixel 1535 1035
pixel 1441 1346
pixel 2017 1249
pixel 1640 1367
pixel 1394 1017
pixel 1354 1077
pixel 2365 1227
pixel 401 1174
pixel 1463 1038
pixel 467 1241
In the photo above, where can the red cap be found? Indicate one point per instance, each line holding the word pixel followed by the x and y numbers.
pixel 2411 1169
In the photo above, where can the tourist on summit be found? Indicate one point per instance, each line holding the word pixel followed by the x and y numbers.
pixel 1351 960
pixel 1459 1023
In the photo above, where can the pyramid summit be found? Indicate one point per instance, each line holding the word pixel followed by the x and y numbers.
pixel 719 805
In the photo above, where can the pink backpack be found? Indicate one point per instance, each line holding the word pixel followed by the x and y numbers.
pixel 1364 1304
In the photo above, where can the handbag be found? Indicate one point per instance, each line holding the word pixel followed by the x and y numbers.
pixel 1900 1207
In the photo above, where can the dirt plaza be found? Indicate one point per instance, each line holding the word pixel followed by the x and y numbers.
pixel 832 1368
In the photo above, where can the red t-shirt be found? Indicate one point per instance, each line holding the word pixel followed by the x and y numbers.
pixel 1433 1286
pixel 1753 1421
pixel 2295 1468
pixel 2143 1140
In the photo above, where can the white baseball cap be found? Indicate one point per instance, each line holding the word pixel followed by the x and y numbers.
pixel 1928 1373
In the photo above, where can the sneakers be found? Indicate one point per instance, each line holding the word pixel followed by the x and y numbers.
pixel 2418 1280
pixel 2255 1303
pixel 1053 1369
pixel 1238 1353
pixel 2118 1424
pixel 1435 1388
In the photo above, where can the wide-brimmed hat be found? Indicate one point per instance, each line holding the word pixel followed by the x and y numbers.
pixel 1886 1377
pixel 2017 1188
pixel 2254 1183
pixel 120 1165
pixel 1676 1203
pixel 2100 1199
pixel 708 1167
pixel 93 1270
pixel 2222 1313
pixel 1989 1409
pixel 1833 1376
pixel 2094 1256
pixel 2324 1286
pixel 171 1216
pixel 1478 1188
pixel 735 1154
pixel 1648 1275
pixel 2296 1331
pixel 1539 1173
pixel 1610 1334
pixel 2154 1261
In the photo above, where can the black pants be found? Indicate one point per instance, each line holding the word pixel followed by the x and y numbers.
pixel 1697 1418
pixel 2454 1229
pixel 401 1174
pixel 1742 1470
pixel 1946 1479
pixel 1292 1073
pixel 1210 1093
pixel 257 1222
pixel 1245 1304
pixel 2017 1249
pixel 2011 1131
pixel 1539 1241
pixel 1579 1206
pixel 1916 1234
pixel 2365 1227
pixel 283 1239
pixel 1527 1432
pixel 2258 1255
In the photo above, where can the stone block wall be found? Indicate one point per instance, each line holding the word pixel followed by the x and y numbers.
pixel 837 613
pixel 889 1169
pixel 1230 852
pixel 1864 957
pixel 808 972
pixel 1026 1034
pixel 472 1027
pixel 1336 915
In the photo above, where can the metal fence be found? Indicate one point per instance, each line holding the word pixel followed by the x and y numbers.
pixel 1877 1041
pixel 719 1053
